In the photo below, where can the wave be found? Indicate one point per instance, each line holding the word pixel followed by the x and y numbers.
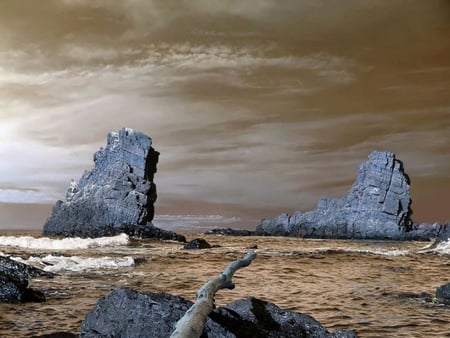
pixel 441 248
pixel 72 243
pixel 55 264
pixel 337 250
pixel 189 222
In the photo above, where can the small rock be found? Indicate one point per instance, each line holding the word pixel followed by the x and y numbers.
pixel 198 243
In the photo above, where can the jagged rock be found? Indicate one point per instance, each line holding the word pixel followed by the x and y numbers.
pixel 14 277
pixel 115 196
pixel 443 294
pixel 376 207
pixel 198 243
pixel 128 313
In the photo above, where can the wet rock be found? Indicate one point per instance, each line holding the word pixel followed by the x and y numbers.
pixel 198 243
pixel 116 195
pixel 376 207
pixel 14 277
pixel 443 294
pixel 129 313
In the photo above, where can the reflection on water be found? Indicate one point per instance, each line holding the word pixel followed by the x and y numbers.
pixel 371 287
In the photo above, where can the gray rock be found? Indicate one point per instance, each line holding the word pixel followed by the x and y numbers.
pixel 128 313
pixel 14 277
pixel 443 294
pixel 376 207
pixel 116 195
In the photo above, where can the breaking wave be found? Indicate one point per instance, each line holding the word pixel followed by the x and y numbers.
pixel 74 243
pixel 52 263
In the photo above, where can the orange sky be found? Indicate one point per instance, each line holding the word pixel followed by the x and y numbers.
pixel 256 107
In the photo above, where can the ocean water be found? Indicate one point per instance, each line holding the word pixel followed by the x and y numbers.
pixel 372 287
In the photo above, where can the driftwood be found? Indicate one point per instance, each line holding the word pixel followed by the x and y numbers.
pixel 192 323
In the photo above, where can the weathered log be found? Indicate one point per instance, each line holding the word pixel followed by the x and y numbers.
pixel 192 323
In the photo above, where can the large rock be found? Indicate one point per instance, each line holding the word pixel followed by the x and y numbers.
pixel 376 207
pixel 128 313
pixel 116 196
pixel 14 277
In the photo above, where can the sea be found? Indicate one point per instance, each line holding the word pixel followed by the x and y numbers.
pixel 377 288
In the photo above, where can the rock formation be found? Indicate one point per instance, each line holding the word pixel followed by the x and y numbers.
pixel 376 207
pixel 116 196
pixel 128 313
pixel 14 277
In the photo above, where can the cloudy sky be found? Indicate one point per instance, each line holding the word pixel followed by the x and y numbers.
pixel 257 107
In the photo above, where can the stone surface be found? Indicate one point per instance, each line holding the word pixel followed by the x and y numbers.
pixel 14 277
pixel 128 313
pixel 376 207
pixel 116 195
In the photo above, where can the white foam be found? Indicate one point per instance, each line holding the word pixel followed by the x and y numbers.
pixel 63 244
pixel 51 263
pixel 441 248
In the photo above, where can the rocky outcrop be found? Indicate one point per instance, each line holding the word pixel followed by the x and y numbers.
pixel 378 206
pixel 128 313
pixel 14 277
pixel 115 196
pixel 230 232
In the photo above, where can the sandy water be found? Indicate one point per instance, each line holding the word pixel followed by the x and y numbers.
pixel 370 287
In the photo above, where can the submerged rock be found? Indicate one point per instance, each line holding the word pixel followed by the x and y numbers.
pixel 378 206
pixel 116 195
pixel 14 277
pixel 128 313
pixel 198 243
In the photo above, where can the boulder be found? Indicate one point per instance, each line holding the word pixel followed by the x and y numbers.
pixel 14 277
pixel 443 294
pixel 128 313
pixel 115 196
pixel 378 206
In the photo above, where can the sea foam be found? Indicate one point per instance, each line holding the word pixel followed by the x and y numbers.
pixel 74 243
pixel 52 263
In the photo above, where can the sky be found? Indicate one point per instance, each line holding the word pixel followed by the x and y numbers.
pixel 257 107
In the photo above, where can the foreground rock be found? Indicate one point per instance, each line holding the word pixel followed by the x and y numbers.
pixel 116 196
pixel 14 277
pixel 128 313
pixel 376 207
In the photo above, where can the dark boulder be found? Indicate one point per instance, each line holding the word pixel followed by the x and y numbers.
pixel 198 243
pixel 115 196
pixel 14 277
pixel 443 294
pixel 128 313
pixel 376 207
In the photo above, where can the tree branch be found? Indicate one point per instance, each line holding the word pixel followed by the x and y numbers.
pixel 192 323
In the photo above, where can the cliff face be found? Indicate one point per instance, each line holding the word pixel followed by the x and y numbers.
pixel 376 207
pixel 116 195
